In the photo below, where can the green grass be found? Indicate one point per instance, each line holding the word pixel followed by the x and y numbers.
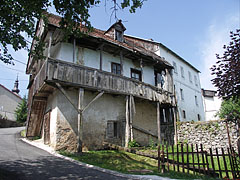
pixel 23 133
pixel 125 162
pixel 195 158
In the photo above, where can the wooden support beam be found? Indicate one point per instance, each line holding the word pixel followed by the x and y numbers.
pixel 66 95
pixel 101 50
pixel 141 66
pixel 80 119
pixel 98 96
pixel 121 62
pixel 175 125
pixel 74 49
pixel 131 117
pixel 159 123
pixel 127 128
pixel 49 44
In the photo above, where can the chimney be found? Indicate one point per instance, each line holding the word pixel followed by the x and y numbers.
pixel 15 89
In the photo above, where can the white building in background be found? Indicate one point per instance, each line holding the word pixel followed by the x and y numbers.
pixel 212 104
pixel 185 78
pixel 9 101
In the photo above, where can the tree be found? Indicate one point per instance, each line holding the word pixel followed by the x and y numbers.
pixel 230 110
pixel 227 69
pixel 21 111
pixel 18 19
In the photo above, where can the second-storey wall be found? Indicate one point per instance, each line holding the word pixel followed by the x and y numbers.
pixel 91 58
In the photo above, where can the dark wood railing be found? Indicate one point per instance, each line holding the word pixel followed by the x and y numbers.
pixel 76 75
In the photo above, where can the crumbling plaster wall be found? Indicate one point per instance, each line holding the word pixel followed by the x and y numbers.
pixel 63 122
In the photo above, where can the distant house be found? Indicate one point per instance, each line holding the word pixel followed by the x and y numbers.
pixel 98 88
pixel 212 104
pixel 9 100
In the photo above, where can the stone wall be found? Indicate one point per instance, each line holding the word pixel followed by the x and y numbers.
pixel 212 134
pixel 4 123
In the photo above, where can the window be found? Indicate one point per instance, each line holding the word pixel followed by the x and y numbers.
pixel 118 35
pixel 113 129
pixel 195 80
pixel 136 74
pixel 116 68
pixel 190 76
pixel 184 114
pixel 196 101
pixel 175 67
pixel 182 72
pixel 199 117
pixel 181 94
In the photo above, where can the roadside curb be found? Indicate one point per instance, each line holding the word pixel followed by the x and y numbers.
pixel 51 151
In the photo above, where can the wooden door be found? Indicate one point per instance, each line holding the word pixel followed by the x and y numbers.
pixel 47 128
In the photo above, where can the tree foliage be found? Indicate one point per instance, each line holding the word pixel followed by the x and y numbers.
pixel 18 19
pixel 227 69
pixel 230 110
pixel 21 111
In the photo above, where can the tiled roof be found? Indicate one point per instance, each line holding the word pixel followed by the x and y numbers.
pixel 96 33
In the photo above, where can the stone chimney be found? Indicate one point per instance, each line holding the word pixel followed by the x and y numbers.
pixel 15 89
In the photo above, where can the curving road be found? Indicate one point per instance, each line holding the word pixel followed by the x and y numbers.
pixel 21 161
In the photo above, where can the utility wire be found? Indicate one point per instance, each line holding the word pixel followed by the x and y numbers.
pixel 13 69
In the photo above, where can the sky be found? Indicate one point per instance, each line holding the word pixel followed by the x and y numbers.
pixel 195 30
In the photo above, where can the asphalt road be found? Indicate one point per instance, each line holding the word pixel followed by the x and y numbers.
pixel 21 161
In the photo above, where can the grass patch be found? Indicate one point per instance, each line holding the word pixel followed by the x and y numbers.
pixel 125 162
pixel 23 133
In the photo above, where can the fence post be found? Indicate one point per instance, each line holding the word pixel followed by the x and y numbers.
pixel 203 161
pixel 225 163
pixel 212 161
pixel 183 169
pixel 162 159
pixel 167 158
pixel 219 165
pixel 177 158
pixel 198 158
pixel 173 157
pixel 187 160
pixel 193 159
pixel 231 163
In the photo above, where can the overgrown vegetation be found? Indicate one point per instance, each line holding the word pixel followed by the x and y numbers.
pixel 21 111
pixel 133 143
pixel 125 162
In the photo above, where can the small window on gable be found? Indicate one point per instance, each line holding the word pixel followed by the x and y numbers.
pixel 175 67
pixel 136 74
pixel 118 35
pixel 190 76
pixel 181 94
pixel 113 129
pixel 196 100
pixel 182 72
pixel 116 68
pixel 195 80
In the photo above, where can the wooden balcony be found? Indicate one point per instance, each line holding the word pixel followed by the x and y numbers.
pixel 74 75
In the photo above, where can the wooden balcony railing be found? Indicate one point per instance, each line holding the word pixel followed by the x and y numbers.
pixel 76 75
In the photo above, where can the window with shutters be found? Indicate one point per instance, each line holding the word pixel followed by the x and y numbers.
pixel 113 129
pixel 116 68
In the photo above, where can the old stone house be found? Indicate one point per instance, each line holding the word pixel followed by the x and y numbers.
pixel 98 88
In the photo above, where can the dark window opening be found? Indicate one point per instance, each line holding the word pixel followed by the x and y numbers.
pixel 184 114
pixel 113 129
pixel 118 35
pixel 136 74
pixel 116 68
pixel 199 117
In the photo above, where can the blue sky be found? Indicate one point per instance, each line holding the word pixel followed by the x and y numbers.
pixel 195 30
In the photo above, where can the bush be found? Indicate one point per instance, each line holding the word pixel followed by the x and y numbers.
pixel 133 143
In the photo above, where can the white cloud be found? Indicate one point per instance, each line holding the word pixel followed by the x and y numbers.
pixel 217 35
